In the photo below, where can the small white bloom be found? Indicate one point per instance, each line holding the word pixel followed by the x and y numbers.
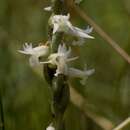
pixel 61 23
pixel 60 59
pixel 83 75
pixel 50 128
pixel 49 8
pixel 34 53
pixel 81 41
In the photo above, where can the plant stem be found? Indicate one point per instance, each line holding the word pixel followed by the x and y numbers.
pixel 59 84
pixel 2 114
pixel 101 32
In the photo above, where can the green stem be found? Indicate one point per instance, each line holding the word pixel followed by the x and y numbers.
pixel 2 113
pixel 59 7
pixel 56 40
pixel 59 85
pixel 61 97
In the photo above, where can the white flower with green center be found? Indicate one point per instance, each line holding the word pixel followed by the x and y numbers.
pixel 61 59
pixel 34 53
pixel 61 23
pixel 83 75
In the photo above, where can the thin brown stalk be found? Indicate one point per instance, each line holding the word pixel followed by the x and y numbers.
pixel 123 124
pixel 100 31
pixel 80 102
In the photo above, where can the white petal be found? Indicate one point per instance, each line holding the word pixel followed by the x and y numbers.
pixel 45 62
pixel 73 58
pixel 27 46
pixel 24 52
pixel 88 30
pixel 75 73
pixel 49 8
pixel 68 16
pixel 86 74
pixel 68 23
pixel 89 72
pixel 62 49
pixel 55 28
pixel 68 52
pixel 27 49
pixel 61 68
pixel 83 75
pixel 40 51
pixel 80 33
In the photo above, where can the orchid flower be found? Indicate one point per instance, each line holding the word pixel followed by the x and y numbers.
pixel 34 53
pixel 61 23
pixel 60 59
pixel 83 75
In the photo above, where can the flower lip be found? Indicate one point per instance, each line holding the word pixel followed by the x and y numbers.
pixel 34 53
pixel 37 51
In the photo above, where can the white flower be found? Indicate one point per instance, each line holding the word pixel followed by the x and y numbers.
pixel 49 8
pixel 80 40
pixel 60 59
pixel 83 75
pixel 34 53
pixel 61 23
pixel 50 128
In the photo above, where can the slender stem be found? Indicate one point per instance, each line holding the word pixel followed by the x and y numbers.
pixel 79 101
pixel 101 32
pixel 59 85
pixel 2 114
pixel 56 40
pixel 123 124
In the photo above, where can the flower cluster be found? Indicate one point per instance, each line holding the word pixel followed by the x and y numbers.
pixel 62 58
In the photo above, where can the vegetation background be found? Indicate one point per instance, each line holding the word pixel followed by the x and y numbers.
pixel 26 95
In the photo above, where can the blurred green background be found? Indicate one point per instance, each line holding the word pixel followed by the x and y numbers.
pixel 26 95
